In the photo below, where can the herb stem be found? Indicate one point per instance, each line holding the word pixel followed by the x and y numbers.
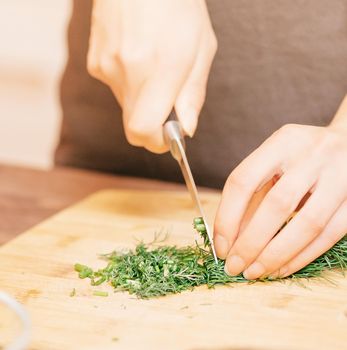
pixel 100 293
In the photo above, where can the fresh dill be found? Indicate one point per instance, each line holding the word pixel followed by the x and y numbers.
pixel 164 270
pixel 199 225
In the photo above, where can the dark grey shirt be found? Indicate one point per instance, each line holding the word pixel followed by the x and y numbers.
pixel 278 62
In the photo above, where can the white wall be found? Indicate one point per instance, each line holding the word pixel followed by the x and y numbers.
pixel 32 57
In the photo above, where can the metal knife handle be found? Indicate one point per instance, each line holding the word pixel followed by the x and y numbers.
pixel 173 135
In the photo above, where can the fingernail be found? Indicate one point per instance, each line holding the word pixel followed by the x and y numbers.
pixel 234 265
pixel 222 246
pixel 279 273
pixel 254 271
pixel 189 121
pixel 283 271
pixel 274 276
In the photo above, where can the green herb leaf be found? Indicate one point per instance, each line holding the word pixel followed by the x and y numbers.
pixel 165 270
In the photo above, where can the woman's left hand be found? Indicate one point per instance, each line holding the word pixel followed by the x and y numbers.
pixel 306 167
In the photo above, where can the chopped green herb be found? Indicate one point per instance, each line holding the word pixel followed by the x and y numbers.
pixel 197 221
pixel 73 292
pixel 165 270
pixel 83 271
pixel 199 226
pixel 100 293
pixel 115 339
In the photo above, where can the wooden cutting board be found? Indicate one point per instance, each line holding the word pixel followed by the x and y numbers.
pixel 37 268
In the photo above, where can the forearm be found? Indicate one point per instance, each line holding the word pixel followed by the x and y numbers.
pixel 340 119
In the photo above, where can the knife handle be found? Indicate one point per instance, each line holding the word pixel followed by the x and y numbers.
pixel 174 135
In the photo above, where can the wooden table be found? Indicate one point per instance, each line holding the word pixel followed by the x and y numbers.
pixel 28 196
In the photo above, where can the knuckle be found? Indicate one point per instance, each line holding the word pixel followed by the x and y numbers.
pixel 175 63
pixel 280 201
pixel 289 130
pixel 331 240
pixel 107 64
pixel 313 223
pixel 133 56
pixel 93 67
pixel 221 227
pixel 245 248
pixel 290 127
pixel 239 182
pixel 330 141
pixel 213 44
pixel 101 66
pixel 292 133
pixel 271 258
pixel 133 140
pixel 136 133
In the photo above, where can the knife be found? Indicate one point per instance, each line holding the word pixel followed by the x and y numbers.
pixel 174 137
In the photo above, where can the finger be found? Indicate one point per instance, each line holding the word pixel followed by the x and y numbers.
pixel 335 230
pixel 144 120
pixel 307 224
pixel 255 202
pixel 192 95
pixel 277 206
pixel 112 75
pixel 105 67
pixel 258 168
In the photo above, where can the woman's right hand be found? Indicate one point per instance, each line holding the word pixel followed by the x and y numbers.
pixel 154 55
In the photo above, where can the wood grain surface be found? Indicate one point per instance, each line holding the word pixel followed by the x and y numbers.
pixel 28 196
pixel 37 268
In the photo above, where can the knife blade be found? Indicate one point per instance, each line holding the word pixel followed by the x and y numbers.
pixel 174 136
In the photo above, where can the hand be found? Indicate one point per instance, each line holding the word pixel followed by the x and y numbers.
pixel 154 55
pixel 299 168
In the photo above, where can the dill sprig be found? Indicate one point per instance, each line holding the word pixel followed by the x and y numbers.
pixel 164 270
pixel 199 225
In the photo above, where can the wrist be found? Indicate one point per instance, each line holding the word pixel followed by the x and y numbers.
pixel 339 130
pixel 339 126
pixel 339 122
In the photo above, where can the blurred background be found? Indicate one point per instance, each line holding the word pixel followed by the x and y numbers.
pixel 32 58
